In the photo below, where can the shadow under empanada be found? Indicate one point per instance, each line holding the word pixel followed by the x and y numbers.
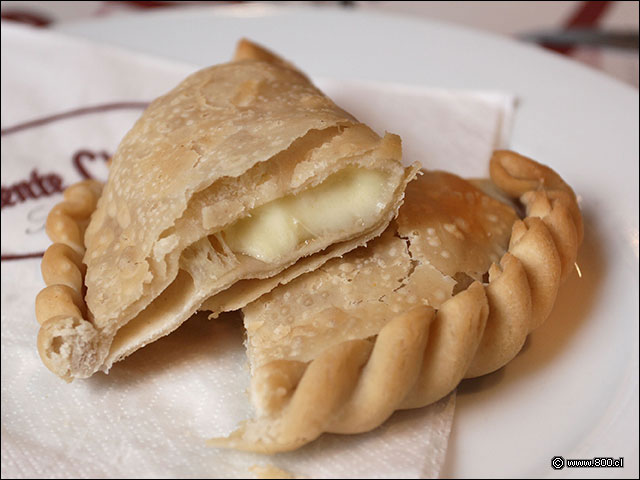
pixel 198 339
pixel 577 298
pixel 400 441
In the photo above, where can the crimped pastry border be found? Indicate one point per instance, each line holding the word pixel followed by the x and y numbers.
pixel 60 307
pixel 421 355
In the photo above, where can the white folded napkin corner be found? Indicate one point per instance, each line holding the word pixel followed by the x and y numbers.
pixel 66 103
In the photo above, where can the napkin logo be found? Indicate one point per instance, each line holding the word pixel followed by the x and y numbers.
pixel 35 186
pixel 26 202
pixel 80 159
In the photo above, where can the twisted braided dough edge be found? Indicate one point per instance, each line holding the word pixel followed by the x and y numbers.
pixel 67 337
pixel 421 355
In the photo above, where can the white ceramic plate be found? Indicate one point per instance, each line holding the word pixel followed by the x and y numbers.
pixel 573 391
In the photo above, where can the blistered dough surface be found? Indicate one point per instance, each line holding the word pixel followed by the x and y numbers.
pixel 353 297
pixel 218 123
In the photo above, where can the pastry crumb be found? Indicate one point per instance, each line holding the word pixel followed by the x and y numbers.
pixel 270 471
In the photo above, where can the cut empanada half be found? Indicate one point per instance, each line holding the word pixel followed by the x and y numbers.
pixel 450 290
pixel 216 192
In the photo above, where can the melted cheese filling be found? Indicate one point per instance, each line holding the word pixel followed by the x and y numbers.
pixel 352 198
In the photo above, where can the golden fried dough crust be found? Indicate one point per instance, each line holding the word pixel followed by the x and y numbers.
pixel 420 354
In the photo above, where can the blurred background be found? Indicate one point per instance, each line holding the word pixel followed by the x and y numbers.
pixel 601 34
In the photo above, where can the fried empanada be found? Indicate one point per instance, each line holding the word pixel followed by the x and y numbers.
pixel 450 290
pixel 242 177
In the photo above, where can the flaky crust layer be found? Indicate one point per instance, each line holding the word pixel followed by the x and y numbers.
pixel 421 355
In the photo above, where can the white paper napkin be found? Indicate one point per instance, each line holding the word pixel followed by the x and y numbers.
pixel 65 105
